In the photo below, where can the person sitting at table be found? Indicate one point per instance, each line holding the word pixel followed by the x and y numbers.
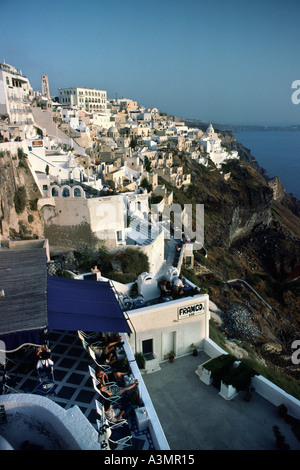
pixel 111 377
pixel 101 376
pixel 44 362
pixel 178 286
pixel 110 344
pixel 164 289
pixel 113 413
pixel 115 390
pixel 108 356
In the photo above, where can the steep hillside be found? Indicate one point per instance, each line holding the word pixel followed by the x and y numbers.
pixel 19 218
pixel 253 237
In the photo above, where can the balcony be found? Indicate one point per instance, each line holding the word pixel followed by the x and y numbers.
pixel 74 386
pixel 194 416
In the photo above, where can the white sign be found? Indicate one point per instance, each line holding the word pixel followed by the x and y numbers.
pixel 190 310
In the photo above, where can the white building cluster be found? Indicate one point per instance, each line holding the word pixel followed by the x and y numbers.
pixel 98 163
pixel 93 152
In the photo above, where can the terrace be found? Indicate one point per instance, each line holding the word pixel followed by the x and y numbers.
pixel 195 417
pixel 74 387
pixel 182 412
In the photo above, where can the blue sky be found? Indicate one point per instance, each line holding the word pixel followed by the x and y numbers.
pixel 225 61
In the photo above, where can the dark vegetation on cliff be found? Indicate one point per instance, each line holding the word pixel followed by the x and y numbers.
pixel 19 217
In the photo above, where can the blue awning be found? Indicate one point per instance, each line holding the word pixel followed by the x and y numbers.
pixel 74 304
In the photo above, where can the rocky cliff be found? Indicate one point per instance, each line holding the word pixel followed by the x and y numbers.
pixel 252 233
pixel 19 217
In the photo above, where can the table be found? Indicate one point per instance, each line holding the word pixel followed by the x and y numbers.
pixel 129 380
pixel 120 353
pixel 142 418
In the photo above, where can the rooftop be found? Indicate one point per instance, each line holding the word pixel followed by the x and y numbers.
pixel 195 417
pixel 72 379
pixel 192 414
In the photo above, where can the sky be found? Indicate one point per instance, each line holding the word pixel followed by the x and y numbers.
pixel 221 61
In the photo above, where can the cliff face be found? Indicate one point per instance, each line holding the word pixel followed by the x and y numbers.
pixel 19 217
pixel 234 208
pixel 229 139
pixel 252 232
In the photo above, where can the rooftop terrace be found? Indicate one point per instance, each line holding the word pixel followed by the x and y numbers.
pixel 193 415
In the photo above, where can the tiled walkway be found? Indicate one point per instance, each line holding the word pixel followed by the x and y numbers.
pixel 73 381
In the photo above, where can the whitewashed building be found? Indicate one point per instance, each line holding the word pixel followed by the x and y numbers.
pixel 88 99
pixel 213 146
pixel 16 95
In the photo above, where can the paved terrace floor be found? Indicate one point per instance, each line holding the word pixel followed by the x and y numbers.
pixel 195 417
pixel 72 379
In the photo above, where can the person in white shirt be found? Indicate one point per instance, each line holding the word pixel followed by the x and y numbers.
pixel 178 285
pixel 113 414
pixel 44 362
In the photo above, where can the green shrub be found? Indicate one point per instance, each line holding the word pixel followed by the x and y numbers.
pixel 140 360
pixel 145 184
pixel 240 377
pixel 22 158
pixel 133 261
pixel 220 367
pixel 20 199
pixel 64 273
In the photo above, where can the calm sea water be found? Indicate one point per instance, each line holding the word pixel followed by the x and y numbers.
pixel 278 152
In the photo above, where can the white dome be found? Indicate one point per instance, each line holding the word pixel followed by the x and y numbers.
pixel 112 130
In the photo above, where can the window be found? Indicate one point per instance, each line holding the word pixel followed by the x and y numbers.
pixel 119 235
pixel 147 347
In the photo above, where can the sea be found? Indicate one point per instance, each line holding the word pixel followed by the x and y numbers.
pixel 278 152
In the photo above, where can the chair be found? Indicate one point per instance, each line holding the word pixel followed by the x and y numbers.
pixel 126 302
pixel 104 433
pixel 112 399
pixel 111 439
pixel 89 339
pixel 101 412
pixel 84 343
pixel 45 384
pixel 105 367
pixel 138 301
pixel 93 375
pixel 90 336
pixel 7 383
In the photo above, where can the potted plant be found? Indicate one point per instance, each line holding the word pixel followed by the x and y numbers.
pixel 282 410
pixel 248 394
pixel 140 360
pixel 123 365
pixel 218 367
pixel 194 349
pixel 237 380
pixel 171 356
pixel 280 439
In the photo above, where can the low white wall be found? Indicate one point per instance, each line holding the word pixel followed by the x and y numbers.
pixel 212 349
pixel 157 434
pixel 276 395
pixel 41 421
pixel 263 386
